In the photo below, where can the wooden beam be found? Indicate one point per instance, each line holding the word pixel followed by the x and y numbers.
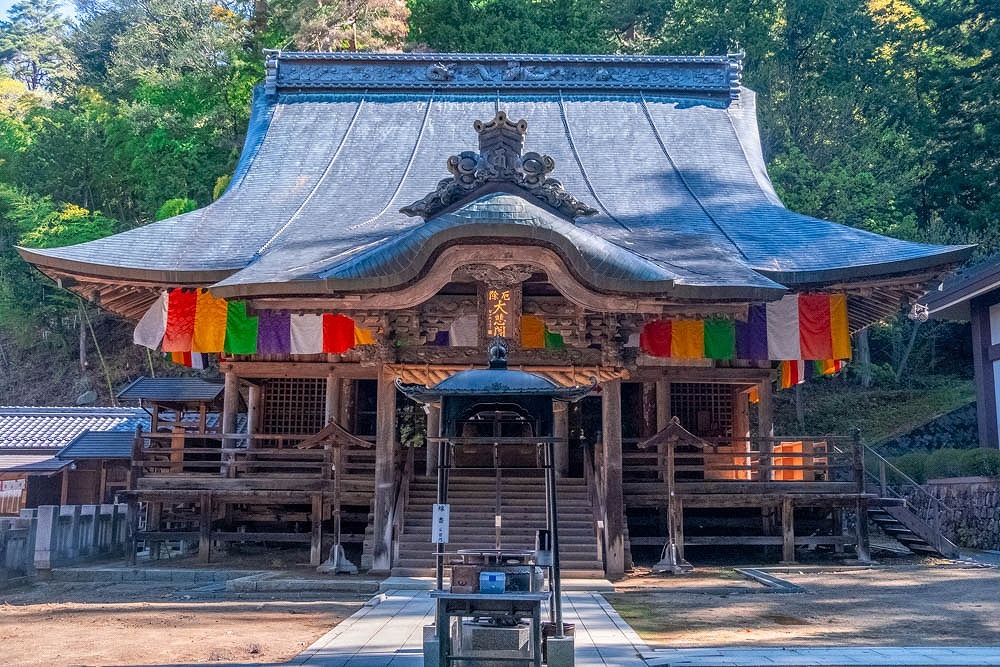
pixel 743 376
pixel 297 369
pixel 385 482
pixel 614 521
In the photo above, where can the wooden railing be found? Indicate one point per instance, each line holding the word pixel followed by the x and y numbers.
pixel 241 455
pixel 597 494
pixel 802 459
pixel 401 496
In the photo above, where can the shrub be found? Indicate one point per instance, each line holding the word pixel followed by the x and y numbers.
pixel 924 465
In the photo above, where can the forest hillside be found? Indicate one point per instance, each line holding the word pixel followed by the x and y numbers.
pixel 879 114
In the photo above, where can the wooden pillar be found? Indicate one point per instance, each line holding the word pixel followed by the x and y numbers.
pixel 986 397
pixel 332 406
pixel 103 484
pixel 787 530
pixel 433 431
pixel 765 427
pixel 560 430
pixel 838 528
pixel 205 529
pixel 230 404
pixel 662 404
pixel 254 403
pixel 614 521
pixel 662 420
pixel 385 482
pixel 64 491
pixel 861 524
pixel 316 543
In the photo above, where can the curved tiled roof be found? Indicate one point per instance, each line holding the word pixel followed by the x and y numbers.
pixel 665 149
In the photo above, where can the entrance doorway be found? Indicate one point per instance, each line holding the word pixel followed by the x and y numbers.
pixel 478 449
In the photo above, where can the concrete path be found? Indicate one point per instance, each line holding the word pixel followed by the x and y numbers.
pixel 386 634
pixel 807 657
pixel 390 634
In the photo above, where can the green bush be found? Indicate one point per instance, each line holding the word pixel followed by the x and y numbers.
pixel 924 465
pixel 176 206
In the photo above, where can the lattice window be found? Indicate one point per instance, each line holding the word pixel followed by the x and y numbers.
pixel 365 407
pixel 704 409
pixel 294 406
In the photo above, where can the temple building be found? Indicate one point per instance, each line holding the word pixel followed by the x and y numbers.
pixel 610 217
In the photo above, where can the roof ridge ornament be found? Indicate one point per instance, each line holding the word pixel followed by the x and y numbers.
pixel 500 160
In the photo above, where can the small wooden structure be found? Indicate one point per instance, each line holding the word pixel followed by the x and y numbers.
pixel 64 455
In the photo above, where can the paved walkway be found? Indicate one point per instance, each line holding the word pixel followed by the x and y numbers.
pixel 807 657
pixel 390 634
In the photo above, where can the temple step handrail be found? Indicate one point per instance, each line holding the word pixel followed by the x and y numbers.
pixel 881 479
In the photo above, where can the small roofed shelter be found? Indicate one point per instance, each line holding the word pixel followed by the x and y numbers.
pixel 974 296
pixel 609 216
pixel 188 403
pixel 34 467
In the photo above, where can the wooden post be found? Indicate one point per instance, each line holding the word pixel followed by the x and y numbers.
pixel 132 519
pixel 863 547
pixel 433 431
pixel 154 512
pixel 230 404
pixel 103 484
pixel 614 521
pixel 838 528
pixel 316 544
pixel 986 396
pixel 64 491
pixel 205 536
pixel 662 420
pixel 560 430
pixel 787 530
pixel 332 405
pixel 765 428
pixel 254 402
pixel 385 482
pixel 675 507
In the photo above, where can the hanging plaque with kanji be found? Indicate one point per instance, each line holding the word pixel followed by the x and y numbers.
pixel 499 320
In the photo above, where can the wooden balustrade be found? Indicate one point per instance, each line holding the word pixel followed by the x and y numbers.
pixel 771 460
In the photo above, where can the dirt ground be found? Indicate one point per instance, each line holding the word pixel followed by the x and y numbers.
pixel 913 604
pixel 129 624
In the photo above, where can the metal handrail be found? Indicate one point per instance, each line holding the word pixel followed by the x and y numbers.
pixel 882 479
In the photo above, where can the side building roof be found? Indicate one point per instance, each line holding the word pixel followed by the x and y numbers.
pixel 664 150
pixel 171 390
pixel 42 428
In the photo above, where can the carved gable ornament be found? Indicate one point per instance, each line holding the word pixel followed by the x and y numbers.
pixel 499 161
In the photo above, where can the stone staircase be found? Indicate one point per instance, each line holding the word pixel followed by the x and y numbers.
pixel 472 501
pixel 896 520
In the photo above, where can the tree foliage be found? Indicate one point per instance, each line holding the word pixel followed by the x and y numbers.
pixel 880 114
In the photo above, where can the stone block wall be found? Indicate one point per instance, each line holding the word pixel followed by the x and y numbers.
pixel 972 517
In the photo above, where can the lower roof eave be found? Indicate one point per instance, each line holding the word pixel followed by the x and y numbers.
pixel 89 271
pixel 944 261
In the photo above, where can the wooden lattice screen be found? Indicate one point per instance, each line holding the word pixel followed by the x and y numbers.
pixel 704 409
pixel 294 406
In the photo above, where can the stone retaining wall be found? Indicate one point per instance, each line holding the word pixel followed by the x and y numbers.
pixel 972 519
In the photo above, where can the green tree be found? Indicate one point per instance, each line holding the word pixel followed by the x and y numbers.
pixel 511 26
pixel 175 206
pixel 342 25
pixel 33 45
